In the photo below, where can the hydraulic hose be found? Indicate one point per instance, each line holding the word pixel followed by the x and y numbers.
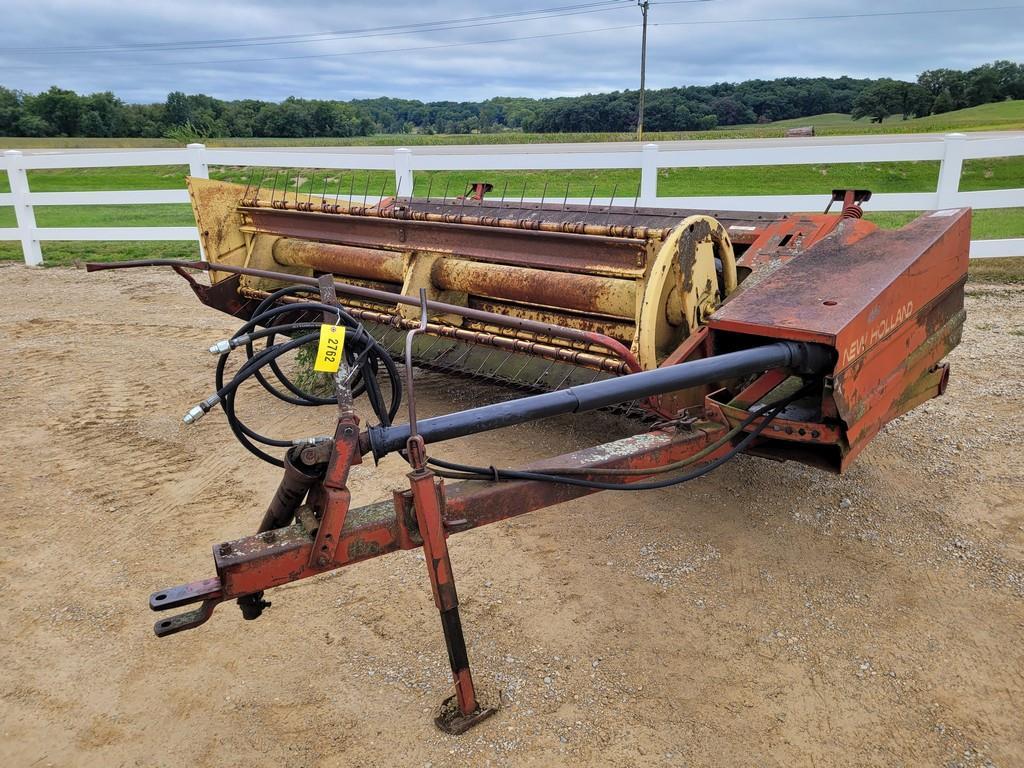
pixel 466 472
pixel 363 354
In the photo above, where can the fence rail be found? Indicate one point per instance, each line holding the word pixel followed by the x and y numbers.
pixel 950 150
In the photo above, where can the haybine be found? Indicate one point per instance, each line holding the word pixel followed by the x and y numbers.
pixel 786 336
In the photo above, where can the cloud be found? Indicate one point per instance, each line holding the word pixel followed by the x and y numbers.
pixel 552 63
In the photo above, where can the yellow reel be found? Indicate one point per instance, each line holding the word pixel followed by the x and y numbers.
pixel 683 287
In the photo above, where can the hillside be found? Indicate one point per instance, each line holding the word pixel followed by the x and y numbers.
pixel 1005 115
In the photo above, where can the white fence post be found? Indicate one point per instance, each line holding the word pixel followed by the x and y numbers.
pixel 403 172
pixel 950 169
pixel 197 168
pixel 23 212
pixel 649 175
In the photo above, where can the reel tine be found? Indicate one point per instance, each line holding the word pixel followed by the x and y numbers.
pixel 536 382
pixel 433 344
pixel 636 200
pixel 337 190
pixel 259 186
pixel 520 371
pixel 565 199
pixel 248 184
pixel 273 190
pixel 564 379
pixel 444 195
pixel 464 355
pixel 430 186
pixel 501 364
pixel 384 336
pixel 351 189
pixel 483 362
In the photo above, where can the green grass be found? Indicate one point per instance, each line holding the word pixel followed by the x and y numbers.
pixel 824 120
pixel 1005 115
pixel 987 224
pixel 994 173
pixel 64 253
pixel 165 215
pixel 980 174
pixel 800 179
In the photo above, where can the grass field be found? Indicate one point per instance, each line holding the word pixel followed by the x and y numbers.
pixel 981 174
pixel 1007 115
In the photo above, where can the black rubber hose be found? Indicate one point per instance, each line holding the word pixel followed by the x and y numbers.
pixel 363 353
pixel 485 473
pixel 373 353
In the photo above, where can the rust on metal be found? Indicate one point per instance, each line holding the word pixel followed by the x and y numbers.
pixel 540 296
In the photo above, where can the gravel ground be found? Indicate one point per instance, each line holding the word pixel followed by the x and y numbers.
pixel 766 615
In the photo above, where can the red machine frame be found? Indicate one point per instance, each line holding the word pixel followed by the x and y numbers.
pixel 890 305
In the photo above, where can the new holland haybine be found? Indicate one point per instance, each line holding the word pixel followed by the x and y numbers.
pixel 785 336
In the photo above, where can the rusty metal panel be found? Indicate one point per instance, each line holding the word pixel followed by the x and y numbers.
pixel 349 261
pixel 474 503
pixel 851 295
pixel 529 248
pixel 565 290
pixel 900 372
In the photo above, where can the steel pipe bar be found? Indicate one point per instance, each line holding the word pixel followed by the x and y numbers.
pixel 812 358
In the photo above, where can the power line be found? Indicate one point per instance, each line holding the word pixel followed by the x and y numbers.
pixel 831 16
pixel 316 37
pixel 441 46
pixel 357 53
pixel 588 31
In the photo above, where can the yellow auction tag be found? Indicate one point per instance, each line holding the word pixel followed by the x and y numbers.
pixel 328 352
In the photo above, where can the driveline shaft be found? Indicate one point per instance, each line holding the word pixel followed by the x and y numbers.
pixel 802 357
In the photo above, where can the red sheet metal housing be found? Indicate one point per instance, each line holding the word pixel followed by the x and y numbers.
pixel 889 302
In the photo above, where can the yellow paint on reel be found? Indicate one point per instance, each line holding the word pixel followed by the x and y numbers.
pixel 683 287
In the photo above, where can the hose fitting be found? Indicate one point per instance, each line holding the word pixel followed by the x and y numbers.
pixel 196 412
pixel 226 345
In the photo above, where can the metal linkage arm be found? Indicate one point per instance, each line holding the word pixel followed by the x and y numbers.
pixel 255 563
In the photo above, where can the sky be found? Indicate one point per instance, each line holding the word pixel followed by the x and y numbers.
pixel 461 51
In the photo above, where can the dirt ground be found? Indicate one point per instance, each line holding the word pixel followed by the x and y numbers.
pixel 766 615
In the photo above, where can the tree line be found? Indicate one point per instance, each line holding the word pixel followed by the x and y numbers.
pixel 60 112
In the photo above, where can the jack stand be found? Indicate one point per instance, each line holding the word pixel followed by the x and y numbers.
pixel 462 711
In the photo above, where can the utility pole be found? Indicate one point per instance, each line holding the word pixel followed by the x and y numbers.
pixel 644 4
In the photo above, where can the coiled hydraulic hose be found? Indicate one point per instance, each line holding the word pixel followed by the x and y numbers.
pixel 363 354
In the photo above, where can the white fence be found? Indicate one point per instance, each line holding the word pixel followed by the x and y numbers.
pixel 951 150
